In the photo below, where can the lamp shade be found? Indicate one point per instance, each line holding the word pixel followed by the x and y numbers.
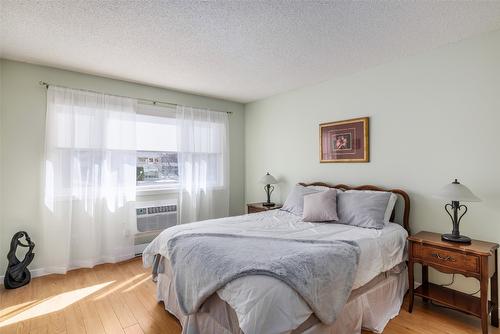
pixel 456 191
pixel 268 179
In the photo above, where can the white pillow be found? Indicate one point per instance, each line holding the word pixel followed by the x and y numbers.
pixel 362 208
pixel 321 206
pixel 295 201
pixel 390 204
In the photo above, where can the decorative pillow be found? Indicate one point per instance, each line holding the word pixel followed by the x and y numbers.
pixel 364 209
pixel 390 204
pixel 320 207
pixel 295 201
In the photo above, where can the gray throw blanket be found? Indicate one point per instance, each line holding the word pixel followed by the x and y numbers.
pixel 321 272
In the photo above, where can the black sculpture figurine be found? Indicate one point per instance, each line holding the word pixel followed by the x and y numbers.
pixel 17 273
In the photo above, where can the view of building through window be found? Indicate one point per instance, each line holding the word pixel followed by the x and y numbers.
pixel 157 168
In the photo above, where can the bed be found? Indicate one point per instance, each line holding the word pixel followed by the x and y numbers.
pixel 263 304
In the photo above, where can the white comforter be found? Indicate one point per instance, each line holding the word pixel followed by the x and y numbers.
pixel 266 305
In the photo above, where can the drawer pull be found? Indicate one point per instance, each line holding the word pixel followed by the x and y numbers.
pixel 444 258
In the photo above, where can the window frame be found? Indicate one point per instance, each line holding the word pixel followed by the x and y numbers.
pixel 156 189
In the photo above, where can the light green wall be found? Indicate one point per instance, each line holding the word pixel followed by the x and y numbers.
pixel 2 232
pixel 22 123
pixel 433 117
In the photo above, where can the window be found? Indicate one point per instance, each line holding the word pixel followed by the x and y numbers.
pixel 141 139
pixel 156 165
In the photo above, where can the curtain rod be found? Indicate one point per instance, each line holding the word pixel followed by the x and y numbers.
pixel 154 102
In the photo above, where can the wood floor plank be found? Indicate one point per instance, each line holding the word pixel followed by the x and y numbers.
pixel 23 327
pixel 40 330
pixel 14 300
pixel 56 322
pixel 122 311
pixel 145 320
pixel 108 317
pixel 41 292
pixel 90 317
pixel 10 329
pixel 134 329
pixel 74 321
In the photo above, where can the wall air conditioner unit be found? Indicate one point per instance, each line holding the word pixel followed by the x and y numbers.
pixel 152 218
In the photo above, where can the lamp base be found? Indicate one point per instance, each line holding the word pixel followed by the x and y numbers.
pixel 460 239
pixel 268 204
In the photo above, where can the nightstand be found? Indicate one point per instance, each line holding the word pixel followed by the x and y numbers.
pixel 477 259
pixel 258 207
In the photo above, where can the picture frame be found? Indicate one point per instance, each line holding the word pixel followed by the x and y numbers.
pixel 345 141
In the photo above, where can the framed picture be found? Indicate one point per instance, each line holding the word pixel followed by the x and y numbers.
pixel 344 141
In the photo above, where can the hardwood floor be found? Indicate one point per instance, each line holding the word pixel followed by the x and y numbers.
pixel 120 298
pixel 110 298
pixel 431 319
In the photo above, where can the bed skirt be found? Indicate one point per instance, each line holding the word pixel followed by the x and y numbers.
pixel 370 307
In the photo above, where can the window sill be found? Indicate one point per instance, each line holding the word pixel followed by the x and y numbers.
pixel 156 190
pixel 163 190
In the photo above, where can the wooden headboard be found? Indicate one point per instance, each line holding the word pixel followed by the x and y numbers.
pixel 406 199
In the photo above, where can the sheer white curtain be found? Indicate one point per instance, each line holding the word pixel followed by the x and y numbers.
pixel 89 182
pixel 203 158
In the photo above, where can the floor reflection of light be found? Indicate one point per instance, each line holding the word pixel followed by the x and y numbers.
pixel 118 287
pixel 137 284
pixel 15 308
pixel 53 304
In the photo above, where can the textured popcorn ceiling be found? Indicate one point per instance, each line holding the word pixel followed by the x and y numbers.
pixel 241 51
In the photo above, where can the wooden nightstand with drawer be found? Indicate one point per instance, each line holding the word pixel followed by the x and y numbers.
pixel 258 207
pixel 477 259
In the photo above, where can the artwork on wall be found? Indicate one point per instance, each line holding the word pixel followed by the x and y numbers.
pixel 344 141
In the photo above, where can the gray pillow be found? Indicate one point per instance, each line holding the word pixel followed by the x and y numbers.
pixel 320 207
pixel 295 201
pixel 364 209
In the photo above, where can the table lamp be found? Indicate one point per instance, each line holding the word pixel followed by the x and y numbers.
pixel 268 180
pixel 456 193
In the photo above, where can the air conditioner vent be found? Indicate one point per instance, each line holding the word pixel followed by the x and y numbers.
pixel 155 216
pixel 156 210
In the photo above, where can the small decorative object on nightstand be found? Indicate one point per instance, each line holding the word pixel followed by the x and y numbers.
pixel 456 193
pixel 268 179
pixel 477 259
pixel 259 207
